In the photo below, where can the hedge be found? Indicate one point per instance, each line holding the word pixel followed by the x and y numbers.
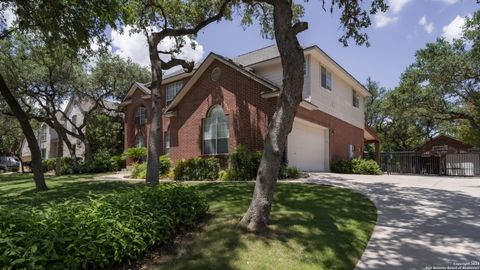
pixel 356 166
pixel 139 170
pixel 243 166
pixel 97 233
pixel 197 169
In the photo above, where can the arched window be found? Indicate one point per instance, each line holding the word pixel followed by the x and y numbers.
pixel 139 140
pixel 215 132
pixel 140 116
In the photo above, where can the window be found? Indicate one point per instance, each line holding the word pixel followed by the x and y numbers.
pixel 355 99
pixel 172 90
pixel 140 116
pixel 74 124
pixel 215 132
pixel 167 140
pixel 326 78
pixel 43 152
pixel 43 133
pixel 139 140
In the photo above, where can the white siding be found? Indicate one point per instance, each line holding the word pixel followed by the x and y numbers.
pixel 338 101
pixel 273 72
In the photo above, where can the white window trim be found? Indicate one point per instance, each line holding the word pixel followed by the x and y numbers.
pixel 175 87
pixel 328 72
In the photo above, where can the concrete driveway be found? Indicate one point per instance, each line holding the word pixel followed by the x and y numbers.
pixel 423 222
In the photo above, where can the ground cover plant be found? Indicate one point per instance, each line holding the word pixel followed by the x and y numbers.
pixel 95 231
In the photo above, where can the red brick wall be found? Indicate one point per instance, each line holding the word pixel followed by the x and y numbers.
pixel 247 111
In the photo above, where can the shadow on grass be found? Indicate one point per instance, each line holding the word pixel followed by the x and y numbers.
pixel 19 189
pixel 312 227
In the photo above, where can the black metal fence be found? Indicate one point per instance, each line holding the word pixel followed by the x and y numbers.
pixel 461 164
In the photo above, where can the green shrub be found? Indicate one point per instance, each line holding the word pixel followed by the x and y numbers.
pixel 117 163
pixel 356 166
pixel 197 169
pixel 139 171
pixel 99 232
pixel 243 166
pixel 135 153
pixel 68 166
pixel 287 172
pixel 164 165
pixel 101 162
pixel 48 164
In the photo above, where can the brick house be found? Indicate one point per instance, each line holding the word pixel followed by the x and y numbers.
pixel 224 103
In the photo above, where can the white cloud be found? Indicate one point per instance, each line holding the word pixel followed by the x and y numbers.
pixel 448 2
pixel 428 26
pixel 453 30
pixel 397 5
pixel 135 47
pixel 383 19
pixel 391 16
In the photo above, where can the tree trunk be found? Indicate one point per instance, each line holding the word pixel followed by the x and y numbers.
pixel 156 134
pixel 88 149
pixel 58 160
pixel 257 216
pixel 29 135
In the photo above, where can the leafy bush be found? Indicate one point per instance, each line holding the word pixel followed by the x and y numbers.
pixel 356 166
pixel 197 169
pixel 101 162
pixel 98 233
pixel 243 165
pixel 287 172
pixel 48 164
pixel 139 171
pixel 135 153
pixel 164 165
pixel 117 163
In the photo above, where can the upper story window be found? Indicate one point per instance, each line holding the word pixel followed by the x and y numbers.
pixel 74 124
pixel 172 90
pixel 355 99
pixel 43 133
pixel 326 78
pixel 305 67
pixel 139 140
pixel 215 132
pixel 140 116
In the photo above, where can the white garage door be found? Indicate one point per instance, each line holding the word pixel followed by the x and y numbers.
pixel 307 147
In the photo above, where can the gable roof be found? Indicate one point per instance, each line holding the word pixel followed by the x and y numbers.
pixel 135 86
pixel 445 140
pixel 271 53
pixel 203 67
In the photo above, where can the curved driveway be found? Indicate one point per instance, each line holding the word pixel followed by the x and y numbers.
pixel 423 222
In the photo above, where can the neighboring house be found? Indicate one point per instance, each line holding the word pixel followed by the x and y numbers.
pixel 48 138
pixel 225 102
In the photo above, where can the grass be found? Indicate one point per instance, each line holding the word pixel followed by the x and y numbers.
pixel 312 226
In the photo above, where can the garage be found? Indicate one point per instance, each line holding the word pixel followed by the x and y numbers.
pixel 307 147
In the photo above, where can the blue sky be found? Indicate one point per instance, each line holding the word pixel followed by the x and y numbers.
pixel 394 37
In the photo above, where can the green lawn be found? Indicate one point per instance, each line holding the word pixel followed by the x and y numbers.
pixel 312 226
